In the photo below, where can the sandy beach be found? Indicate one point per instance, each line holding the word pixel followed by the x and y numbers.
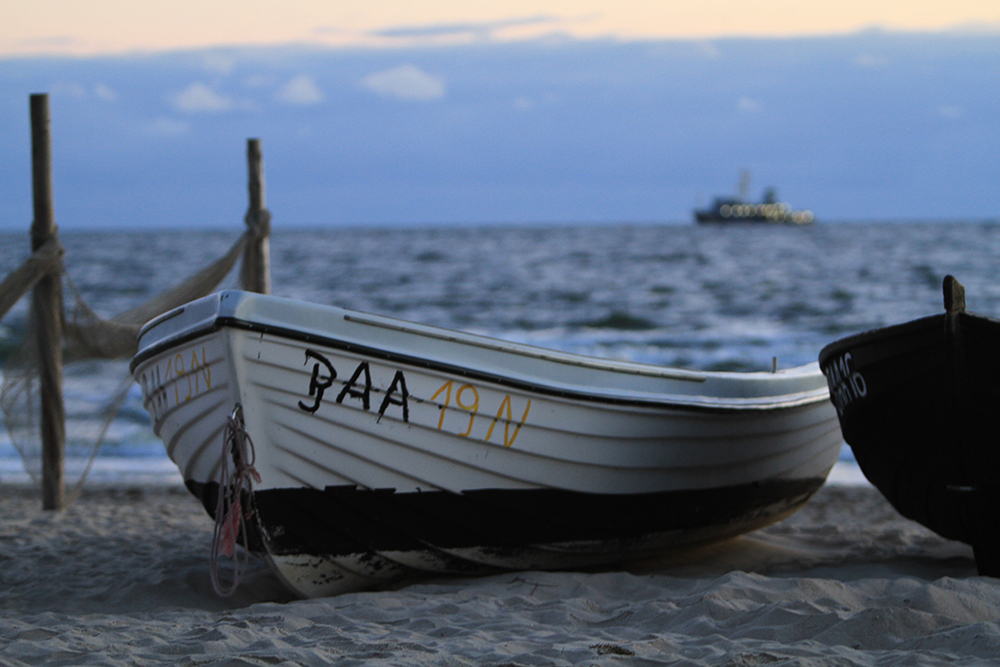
pixel 121 578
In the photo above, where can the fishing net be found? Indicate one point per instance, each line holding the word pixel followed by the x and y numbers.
pixel 88 340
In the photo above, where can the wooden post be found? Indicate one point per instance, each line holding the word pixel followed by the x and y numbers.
pixel 46 304
pixel 255 274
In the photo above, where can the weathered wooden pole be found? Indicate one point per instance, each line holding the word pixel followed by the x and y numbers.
pixel 255 273
pixel 46 304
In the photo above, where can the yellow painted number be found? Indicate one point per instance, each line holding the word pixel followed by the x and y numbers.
pixel 467 399
pixel 508 438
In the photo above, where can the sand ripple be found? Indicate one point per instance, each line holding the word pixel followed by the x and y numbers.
pixel 121 578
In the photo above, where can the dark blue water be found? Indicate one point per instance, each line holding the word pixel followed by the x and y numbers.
pixel 712 298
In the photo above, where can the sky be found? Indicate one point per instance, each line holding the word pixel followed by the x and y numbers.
pixel 91 27
pixel 437 112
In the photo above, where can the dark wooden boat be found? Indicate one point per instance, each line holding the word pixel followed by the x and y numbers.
pixel 919 403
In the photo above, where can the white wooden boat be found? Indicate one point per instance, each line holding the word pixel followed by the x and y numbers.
pixel 388 449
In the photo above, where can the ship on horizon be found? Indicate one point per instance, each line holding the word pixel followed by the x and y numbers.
pixel 738 209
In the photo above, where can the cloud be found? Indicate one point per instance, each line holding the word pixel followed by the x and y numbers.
pixel 68 89
pixel 950 111
pixel 53 42
pixel 78 91
pixel 198 98
pixel 483 30
pixel 105 92
pixel 301 90
pixel 219 63
pixel 168 127
pixel 406 82
pixel 975 28
pixel 524 104
pixel 871 60
pixel 707 48
pixel 747 105
pixel 259 81
pixel 329 30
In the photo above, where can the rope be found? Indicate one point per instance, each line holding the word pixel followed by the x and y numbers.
pixel 47 260
pixel 86 335
pixel 193 287
pixel 234 488
pixel 258 223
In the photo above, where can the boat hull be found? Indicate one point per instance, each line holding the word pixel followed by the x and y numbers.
pixel 387 450
pixel 917 404
pixel 347 538
pixel 715 217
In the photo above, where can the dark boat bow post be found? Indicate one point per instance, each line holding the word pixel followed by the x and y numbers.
pixel 976 489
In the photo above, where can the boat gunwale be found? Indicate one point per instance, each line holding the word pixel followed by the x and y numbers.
pixel 871 336
pixel 783 402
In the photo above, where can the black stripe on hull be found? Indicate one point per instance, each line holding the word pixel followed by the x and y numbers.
pixel 561 528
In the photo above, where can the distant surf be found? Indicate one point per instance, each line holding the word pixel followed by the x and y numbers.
pixel 710 298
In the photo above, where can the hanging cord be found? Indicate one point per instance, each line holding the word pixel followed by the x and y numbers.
pixel 234 488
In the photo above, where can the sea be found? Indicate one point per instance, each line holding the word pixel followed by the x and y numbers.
pixel 738 298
